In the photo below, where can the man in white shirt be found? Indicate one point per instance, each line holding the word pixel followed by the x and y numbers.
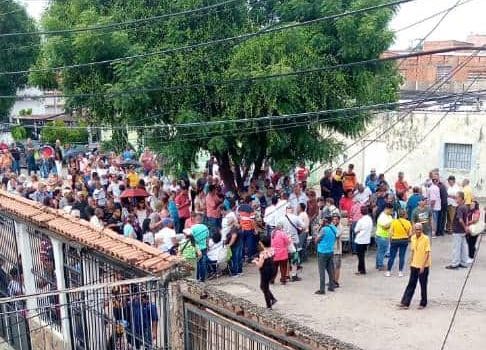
pixel 114 189
pixel 292 225
pixel 363 194
pixel 434 202
pixel 362 230
pixel 164 239
pixel 452 190
pixel 97 219
pixel 296 197
pixel 271 216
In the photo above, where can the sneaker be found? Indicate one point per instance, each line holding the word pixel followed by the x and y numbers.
pixel 319 292
pixel 470 261
pixel 388 274
pixel 462 266
pixel 400 274
pixel 274 301
pixel 451 267
pixel 296 279
pixel 402 306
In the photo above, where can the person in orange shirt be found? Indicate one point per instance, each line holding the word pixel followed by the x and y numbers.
pixel 401 186
pixel 349 179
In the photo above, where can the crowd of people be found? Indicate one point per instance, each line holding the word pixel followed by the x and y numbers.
pixel 276 221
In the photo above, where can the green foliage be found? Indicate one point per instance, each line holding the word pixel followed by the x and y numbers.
pixel 16 53
pixel 312 139
pixel 19 133
pixel 58 130
pixel 25 112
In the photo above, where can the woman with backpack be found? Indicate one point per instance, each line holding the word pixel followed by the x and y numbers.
pixel 265 264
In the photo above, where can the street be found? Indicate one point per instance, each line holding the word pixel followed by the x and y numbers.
pixel 363 310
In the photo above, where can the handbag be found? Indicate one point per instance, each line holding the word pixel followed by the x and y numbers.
pixel 476 228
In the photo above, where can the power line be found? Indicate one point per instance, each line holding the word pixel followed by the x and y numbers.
pixel 119 24
pixel 417 46
pixel 435 126
pixel 461 294
pixel 400 119
pixel 213 42
pixel 247 79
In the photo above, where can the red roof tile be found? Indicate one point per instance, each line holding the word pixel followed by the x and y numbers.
pixel 106 241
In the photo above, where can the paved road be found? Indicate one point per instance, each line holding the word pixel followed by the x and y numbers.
pixel 363 311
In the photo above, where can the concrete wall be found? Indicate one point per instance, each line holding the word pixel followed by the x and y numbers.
pixel 406 139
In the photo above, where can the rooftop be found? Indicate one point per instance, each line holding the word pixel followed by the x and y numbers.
pixel 105 241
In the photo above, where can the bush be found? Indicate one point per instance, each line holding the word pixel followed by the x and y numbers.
pixel 58 130
pixel 19 133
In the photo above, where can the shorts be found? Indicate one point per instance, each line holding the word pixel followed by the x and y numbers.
pixel 337 261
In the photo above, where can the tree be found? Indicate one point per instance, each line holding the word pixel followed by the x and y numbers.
pixel 19 133
pixel 58 130
pixel 16 53
pixel 236 145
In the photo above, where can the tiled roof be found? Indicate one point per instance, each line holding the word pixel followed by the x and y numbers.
pixel 106 241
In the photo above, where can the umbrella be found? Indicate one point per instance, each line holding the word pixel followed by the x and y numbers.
pixel 47 151
pixel 134 192
pixel 130 163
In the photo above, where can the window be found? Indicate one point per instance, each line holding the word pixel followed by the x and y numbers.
pixel 476 75
pixel 443 72
pixel 458 156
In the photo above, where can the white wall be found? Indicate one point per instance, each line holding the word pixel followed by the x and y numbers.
pixel 421 156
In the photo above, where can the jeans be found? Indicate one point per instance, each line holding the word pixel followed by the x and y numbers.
pixel 471 245
pixel 325 262
pixel 361 252
pixel 213 224
pixel 202 265
pixel 16 167
pixel 459 250
pixel 303 245
pixel 400 246
pixel 451 213
pixel 442 220
pixel 250 242
pixel 351 238
pixel 381 248
pixel 236 262
pixel 435 221
pixel 412 284
pixel 265 287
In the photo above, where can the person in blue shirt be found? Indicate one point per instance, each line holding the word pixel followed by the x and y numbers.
pixel 372 181
pixel 142 320
pixel 325 242
pixel 413 201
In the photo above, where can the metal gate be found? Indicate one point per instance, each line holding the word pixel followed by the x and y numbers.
pixel 14 327
pixel 208 330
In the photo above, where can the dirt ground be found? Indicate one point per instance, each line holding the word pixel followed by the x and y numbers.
pixel 363 310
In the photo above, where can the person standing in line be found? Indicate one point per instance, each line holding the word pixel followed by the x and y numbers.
pixel 326 184
pixel 422 214
pixel 401 186
pixel 413 201
pixel 338 249
pixel 460 229
pixel 435 204
pixel 362 230
pixel 400 231
pixel 468 193
pixel 265 264
pixel 58 157
pixel 443 208
pixel 382 235
pixel 452 190
pixel 475 228
pixel 325 251
pixel 200 232
pixel 349 179
pixel 420 260
pixel 280 242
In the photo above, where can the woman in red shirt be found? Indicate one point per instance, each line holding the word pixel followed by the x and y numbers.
pixel 346 203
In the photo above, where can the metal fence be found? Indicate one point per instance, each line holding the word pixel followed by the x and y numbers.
pixel 208 330
pixel 13 323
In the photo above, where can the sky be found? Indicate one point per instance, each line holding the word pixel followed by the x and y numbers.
pixel 462 21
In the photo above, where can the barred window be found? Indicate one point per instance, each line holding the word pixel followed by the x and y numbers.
pixel 458 156
pixel 443 72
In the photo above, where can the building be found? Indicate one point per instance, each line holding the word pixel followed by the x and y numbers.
pixel 452 141
pixel 419 73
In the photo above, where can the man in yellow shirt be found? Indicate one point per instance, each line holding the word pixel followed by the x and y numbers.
pixel 133 178
pixel 468 195
pixel 419 267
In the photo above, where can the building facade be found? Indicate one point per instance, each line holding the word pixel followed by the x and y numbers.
pixel 419 73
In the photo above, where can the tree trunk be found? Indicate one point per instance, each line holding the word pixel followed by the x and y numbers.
pixel 239 180
pixel 225 171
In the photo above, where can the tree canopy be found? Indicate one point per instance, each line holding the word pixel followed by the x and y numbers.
pixel 190 82
pixel 16 53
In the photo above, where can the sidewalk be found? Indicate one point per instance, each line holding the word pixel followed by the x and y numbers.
pixel 363 311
